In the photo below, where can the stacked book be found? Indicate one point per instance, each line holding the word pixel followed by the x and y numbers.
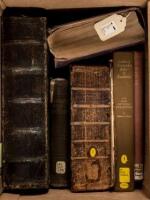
pixel 85 130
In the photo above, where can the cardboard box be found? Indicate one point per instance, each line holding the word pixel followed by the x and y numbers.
pixel 61 4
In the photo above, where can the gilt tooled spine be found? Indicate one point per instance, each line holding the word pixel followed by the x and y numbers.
pixel 90 128
pixel 24 103
pixel 59 133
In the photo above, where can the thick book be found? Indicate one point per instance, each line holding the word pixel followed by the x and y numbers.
pixel 81 39
pixel 24 103
pixel 123 88
pixel 139 115
pixel 67 4
pixel 59 133
pixel 91 157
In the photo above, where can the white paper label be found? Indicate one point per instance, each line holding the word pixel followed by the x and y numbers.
pixel 138 172
pixel 110 26
pixel 60 167
pixel 109 29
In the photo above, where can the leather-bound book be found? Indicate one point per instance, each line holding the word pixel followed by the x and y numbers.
pixel 24 103
pixel 139 115
pixel 90 128
pixel 123 87
pixel 59 133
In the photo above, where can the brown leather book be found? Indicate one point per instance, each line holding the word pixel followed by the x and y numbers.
pixel 123 83
pixel 24 103
pixel 90 128
pixel 139 114
pixel 59 133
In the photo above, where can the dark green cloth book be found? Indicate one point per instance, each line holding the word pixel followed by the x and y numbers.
pixel 59 133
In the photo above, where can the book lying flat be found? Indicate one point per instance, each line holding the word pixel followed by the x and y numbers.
pixel 78 40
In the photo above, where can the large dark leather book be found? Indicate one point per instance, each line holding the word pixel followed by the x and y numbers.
pixel 90 128
pixel 139 115
pixel 123 87
pixel 24 103
pixel 59 133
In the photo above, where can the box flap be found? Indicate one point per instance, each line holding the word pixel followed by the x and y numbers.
pixel 59 4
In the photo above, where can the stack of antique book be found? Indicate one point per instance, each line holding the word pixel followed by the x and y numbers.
pixel 81 126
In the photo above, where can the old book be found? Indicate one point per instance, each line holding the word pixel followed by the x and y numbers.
pixel 59 4
pixel 80 39
pixel 139 115
pixel 146 182
pixel 24 103
pixel 123 71
pixel 90 128
pixel 59 133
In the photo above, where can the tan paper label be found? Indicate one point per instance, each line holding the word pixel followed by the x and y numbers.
pixel 110 27
pixel 60 167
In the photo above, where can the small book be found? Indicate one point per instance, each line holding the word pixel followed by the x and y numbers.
pixel 139 115
pixel 59 133
pixel 91 152
pixel 83 39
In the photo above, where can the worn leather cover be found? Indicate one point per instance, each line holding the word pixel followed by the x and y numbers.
pixel 24 103
pixel 90 128
pixel 123 119
pixel 59 133
pixel 79 40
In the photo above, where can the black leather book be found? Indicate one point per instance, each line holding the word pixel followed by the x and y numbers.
pixel 24 103
pixel 59 133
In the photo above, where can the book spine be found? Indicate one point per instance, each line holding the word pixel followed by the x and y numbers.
pixel 59 133
pixel 146 181
pixel 123 120
pixel 138 115
pixel 90 128
pixel 24 103
pixel 112 125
